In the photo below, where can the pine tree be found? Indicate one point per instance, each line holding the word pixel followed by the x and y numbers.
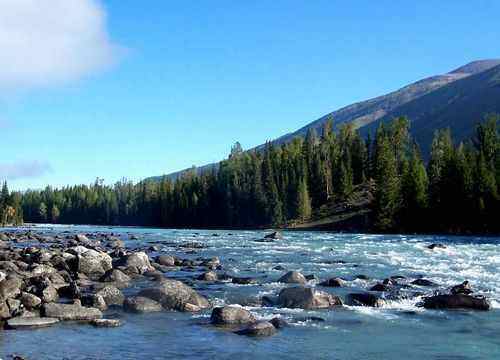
pixel 304 209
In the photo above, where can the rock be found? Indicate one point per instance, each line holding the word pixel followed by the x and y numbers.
pixel 42 270
pixel 166 260
pixel 115 243
pixel 212 263
pixel 380 287
pixel 111 295
pixel 231 315
pixel 243 280
pixel 2 276
pixel 30 301
pixel 423 282
pixel 4 310
pixel 261 328
pixel 71 312
pixel 174 295
pixel 208 276
pixel 10 287
pixel 274 236
pixel 49 294
pixel 93 263
pixel 279 268
pixel 136 263
pixel 191 308
pixel 107 323
pixel 362 277
pixel 139 304
pixel 293 277
pixel 30 322
pixel 436 246
pixel 456 301
pixel 116 276
pixel 278 323
pixel 333 282
pixel 465 288
pixel 307 298
pixel 365 299
pixel 94 301
pixel 81 238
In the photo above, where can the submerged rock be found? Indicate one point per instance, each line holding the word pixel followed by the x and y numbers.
pixel 139 304
pixel 261 328
pixel 456 301
pixel 231 315
pixel 465 288
pixel 31 322
pixel 307 298
pixel 423 282
pixel 274 236
pixel 107 323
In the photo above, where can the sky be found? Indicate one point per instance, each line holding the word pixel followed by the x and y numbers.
pixel 114 89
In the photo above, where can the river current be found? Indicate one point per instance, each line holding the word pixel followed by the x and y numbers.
pixel 398 330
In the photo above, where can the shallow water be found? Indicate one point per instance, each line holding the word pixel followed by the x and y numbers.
pixel 399 330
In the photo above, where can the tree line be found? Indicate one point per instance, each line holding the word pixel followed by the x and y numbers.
pixel 455 191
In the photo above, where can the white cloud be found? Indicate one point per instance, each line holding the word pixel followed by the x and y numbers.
pixel 23 169
pixel 51 42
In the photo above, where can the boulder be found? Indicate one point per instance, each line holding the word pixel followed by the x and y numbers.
pixel 365 299
pixel 111 295
pixel 71 312
pixel 166 260
pixel 115 243
pixel 231 315
pixel 212 263
pixel 94 301
pixel 456 301
pixel 436 246
pixel 423 282
pixel 93 263
pixel 174 295
pixel 10 287
pixel 116 276
pixel 333 282
pixel 380 287
pixel 4 310
pixel 30 301
pixel 274 236
pixel 293 277
pixel 136 263
pixel 208 276
pixel 139 304
pixel 2 276
pixel 465 288
pixel 307 298
pixel 81 238
pixel 261 328
pixel 49 294
pixel 278 323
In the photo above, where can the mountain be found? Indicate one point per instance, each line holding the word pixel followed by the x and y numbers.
pixel 457 100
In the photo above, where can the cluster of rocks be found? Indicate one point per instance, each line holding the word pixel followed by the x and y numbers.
pixel 67 277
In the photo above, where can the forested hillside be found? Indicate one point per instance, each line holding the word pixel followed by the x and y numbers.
pixel 457 191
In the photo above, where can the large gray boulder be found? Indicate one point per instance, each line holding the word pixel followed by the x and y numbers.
pixel 135 263
pixel 456 301
pixel 174 295
pixel 231 315
pixel 92 263
pixel 307 298
pixel 166 260
pixel 71 312
pixel 293 277
pixel 111 295
pixel 10 287
pixel 139 304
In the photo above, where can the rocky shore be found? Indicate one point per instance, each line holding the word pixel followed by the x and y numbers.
pixel 46 279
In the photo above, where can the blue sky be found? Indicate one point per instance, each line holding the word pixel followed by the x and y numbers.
pixel 162 85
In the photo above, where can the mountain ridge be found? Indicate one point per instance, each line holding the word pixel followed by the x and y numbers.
pixel 364 114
